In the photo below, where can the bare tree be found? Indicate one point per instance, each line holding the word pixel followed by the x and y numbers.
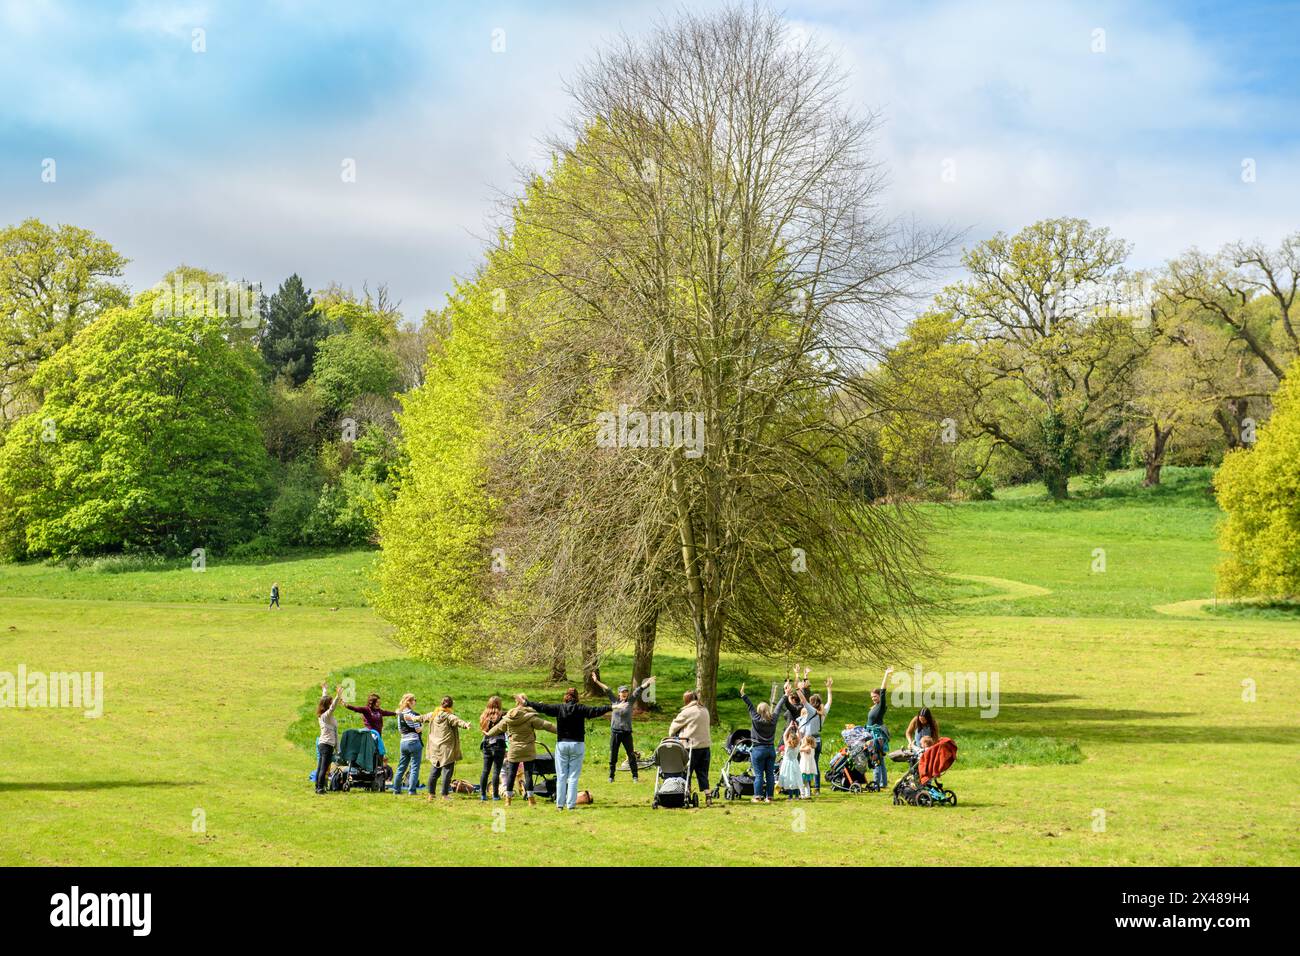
pixel 716 255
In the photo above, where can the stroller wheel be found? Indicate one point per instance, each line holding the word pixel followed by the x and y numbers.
pixel 695 799
pixel 855 789
pixel 952 799
pixel 923 799
pixel 654 804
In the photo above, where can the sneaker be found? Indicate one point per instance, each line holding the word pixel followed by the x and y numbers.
pixel 497 798
pixel 611 779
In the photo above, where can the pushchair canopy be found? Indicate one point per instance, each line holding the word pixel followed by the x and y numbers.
pixel 738 744
pixel 936 758
pixel 358 748
pixel 671 756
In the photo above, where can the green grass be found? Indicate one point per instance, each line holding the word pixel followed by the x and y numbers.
pixel 1264 610
pixel 338 579
pixel 1177 730
pixel 1158 546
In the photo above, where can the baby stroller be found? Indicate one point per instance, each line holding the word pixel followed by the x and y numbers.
pixel 735 784
pixel 544 774
pixel 920 786
pixel 673 781
pixel 357 763
pixel 851 768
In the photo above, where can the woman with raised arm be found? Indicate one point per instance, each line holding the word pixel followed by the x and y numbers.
pixel 620 722
pixel 812 718
pixel 570 742
pixel 520 724
pixel 373 718
pixel 444 745
pixel 493 749
pixel 410 726
pixel 876 723
pixel 328 740
pixel 762 746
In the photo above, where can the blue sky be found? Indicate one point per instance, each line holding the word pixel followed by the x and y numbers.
pixel 230 158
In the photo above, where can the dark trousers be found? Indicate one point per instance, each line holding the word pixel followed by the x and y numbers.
pixel 492 760
pixel 621 738
pixel 817 756
pixel 445 773
pixel 700 764
pixel 512 767
pixel 323 761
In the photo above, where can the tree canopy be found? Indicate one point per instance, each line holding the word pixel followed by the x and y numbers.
pixel 147 438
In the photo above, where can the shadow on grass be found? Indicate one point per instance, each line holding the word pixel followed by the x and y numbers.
pixel 12 786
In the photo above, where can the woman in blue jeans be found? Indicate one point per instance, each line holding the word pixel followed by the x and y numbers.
pixel 762 750
pixel 408 722
pixel 570 742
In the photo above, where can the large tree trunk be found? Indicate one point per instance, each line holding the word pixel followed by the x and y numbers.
pixel 1155 456
pixel 706 673
pixel 1057 482
pixel 590 662
pixel 559 674
pixel 1230 419
pixel 643 656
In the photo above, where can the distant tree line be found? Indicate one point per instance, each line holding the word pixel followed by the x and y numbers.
pixel 1050 360
pixel 196 413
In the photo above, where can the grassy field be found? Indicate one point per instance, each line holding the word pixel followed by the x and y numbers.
pixel 1124 735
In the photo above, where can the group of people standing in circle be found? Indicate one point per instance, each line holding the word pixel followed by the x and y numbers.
pixel 508 744
pixel 795 717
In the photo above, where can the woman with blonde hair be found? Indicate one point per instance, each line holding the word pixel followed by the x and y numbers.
pixel 412 746
pixel 521 722
pixel 493 748
pixel 762 748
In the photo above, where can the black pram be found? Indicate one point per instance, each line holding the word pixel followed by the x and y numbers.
pixel 737 781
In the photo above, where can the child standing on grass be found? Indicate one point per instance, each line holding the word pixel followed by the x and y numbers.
pixel 807 765
pixel 275 597
pixel 791 779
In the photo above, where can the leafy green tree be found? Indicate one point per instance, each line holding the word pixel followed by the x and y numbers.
pixel 435 566
pixel 147 439
pixel 1259 488
pixel 292 332
pixel 351 364
pixel 53 283
pixel 1053 348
